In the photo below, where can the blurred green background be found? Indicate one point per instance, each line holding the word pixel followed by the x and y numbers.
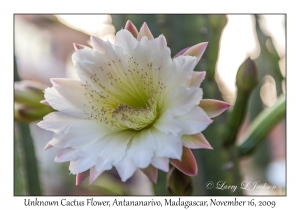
pixel 249 139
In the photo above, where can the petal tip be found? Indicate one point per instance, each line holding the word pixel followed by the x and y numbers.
pixel 44 102
pixel 151 172
pixel 131 28
pixel 77 46
pixel 197 50
pixel 188 163
pixel 212 107
pixel 55 81
pixel 48 146
pixel 80 177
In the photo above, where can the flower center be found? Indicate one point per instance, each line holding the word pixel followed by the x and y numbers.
pixel 129 98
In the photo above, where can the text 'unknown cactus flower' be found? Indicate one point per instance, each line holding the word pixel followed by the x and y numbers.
pixel 134 107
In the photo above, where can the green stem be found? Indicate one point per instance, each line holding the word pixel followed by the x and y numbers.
pixel 236 170
pixel 261 126
pixel 30 162
pixel 237 116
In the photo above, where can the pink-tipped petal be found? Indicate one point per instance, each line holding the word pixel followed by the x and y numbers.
pixel 80 177
pixel 98 44
pixel 188 164
pixel 196 141
pixel 196 50
pixel 44 102
pixel 197 78
pixel 94 174
pixel 151 173
pixel 181 52
pixel 131 28
pixel 78 46
pixel 48 146
pixel 145 31
pixel 213 107
pixel 55 81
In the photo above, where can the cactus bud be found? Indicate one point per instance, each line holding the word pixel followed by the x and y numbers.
pixel 178 183
pixel 27 107
pixel 246 78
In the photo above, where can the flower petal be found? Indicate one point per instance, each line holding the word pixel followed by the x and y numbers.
pixel 151 173
pixel 126 41
pixel 62 98
pixel 188 164
pixel 168 146
pixel 212 107
pixel 131 28
pixel 197 78
pixel 161 163
pixel 141 148
pixel 196 50
pixel 44 102
pixel 81 165
pixel 145 31
pixel 48 146
pixel 181 100
pixel 98 44
pixel 103 164
pixel 196 141
pixel 161 43
pixel 167 124
pixel 78 46
pixel 111 149
pixel 125 168
pixel 194 121
pixel 65 155
pixel 94 174
pixel 72 131
pixel 57 121
pixel 80 177
pixel 182 71
pixel 181 52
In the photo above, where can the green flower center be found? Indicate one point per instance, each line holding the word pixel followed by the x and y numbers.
pixel 130 99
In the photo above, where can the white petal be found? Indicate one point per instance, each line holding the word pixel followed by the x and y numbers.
pixel 197 78
pixel 181 100
pixel 72 132
pixel 195 121
pixel 103 74
pixel 161 43
pixel 152 57
pixel 182 71
pixel 145 31
pixel 141 148
pixel 125 168
pixel 167 123
pixel 161 163
pixel 167 145
pixel 94 173
pixel 126 40
pixel 103 164
pixel 115 148
pixel 111 147
pixel 98 44
pixel 66 154
pixel 57 121
pixel 81 165
pixel 63 99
